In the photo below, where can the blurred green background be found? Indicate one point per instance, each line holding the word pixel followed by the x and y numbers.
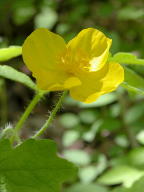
pixel 106 138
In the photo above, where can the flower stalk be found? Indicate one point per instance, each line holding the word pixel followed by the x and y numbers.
pixel 51 117
pixel 25 115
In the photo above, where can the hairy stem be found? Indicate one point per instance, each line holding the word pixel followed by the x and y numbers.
pixel 51 117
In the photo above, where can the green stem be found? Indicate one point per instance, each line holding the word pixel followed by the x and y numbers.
pixel 51 117
pixel 25 115
pixel 126 127
pixel 3 102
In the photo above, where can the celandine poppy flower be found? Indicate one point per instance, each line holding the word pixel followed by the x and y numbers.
pixel 80 66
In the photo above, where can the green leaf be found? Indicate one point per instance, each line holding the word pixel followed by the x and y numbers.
pixel 136 157
pixel 33 166
pixel 126 58
pixel 77 156
pixel 121 174
pixel 78 187
pixel 130 13
pixel 91 172
pixel 87 174
pixel 90 135
pixel 120 189
pixel 140 137
pixel 46 18
pixel 138 186
pixel 12 74
pixel 134 113
pixel 88 116
pixel 10 52
pixel 23 14
pixel 70 137
pixel 69 120
pixel 133 81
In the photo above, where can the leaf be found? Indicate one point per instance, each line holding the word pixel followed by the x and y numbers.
pixel 133 81
pixel 120 189
pixel 90 135
pixel 12 74
pixel 79 187
pixel 69 120
pixel 77 156
pixel 136 157
pixel 126 58
pixel 10 52
pixel 140 137
pixel 70 137
pixel 134 113
pixel 89 173
pixel 23 11
pixel 33 166
pixel 88 116
pixel 23 14
pixel 46 18
pixel 130 13
pixel 121 174
pixel 138 186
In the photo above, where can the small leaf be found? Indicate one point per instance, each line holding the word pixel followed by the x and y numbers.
pixel 130 13
pixel 23 14
pixel 133 81
pixel 121 189
pixel 91 172
pixel 138 186
pixel 134 113
pixel 126 58
pixel 33 167
pixel 46 18
pixel 12 74
pixel 88 116
pixel 79 187
pixel 70 137
pixel 121 174
pixel 69 120
pixel 10 52
pixel 136 157
pixel 77 156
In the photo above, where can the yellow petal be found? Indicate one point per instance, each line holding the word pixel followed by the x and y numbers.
pixel 42 49
pixel 94 84
pixel 55 81
pixel 113 78
pixel 89 90
pixel 41 53
pixel 92 45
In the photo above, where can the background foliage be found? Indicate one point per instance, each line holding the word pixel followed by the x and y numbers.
pixel 104 139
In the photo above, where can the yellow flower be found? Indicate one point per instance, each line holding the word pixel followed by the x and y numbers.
pixel 80 66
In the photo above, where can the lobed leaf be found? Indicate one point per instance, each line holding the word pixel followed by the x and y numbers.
pixel 33 166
